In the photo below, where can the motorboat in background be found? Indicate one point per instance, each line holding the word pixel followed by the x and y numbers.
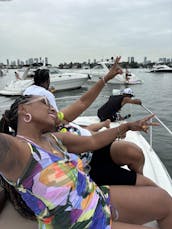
pixel 161 68
pixel 102 68
pixel 58 81
pixel 19 84
pixel 66 81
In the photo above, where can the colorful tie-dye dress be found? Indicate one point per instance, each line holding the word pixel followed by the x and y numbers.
pixel 60 194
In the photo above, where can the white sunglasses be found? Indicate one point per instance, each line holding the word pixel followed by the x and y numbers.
pixel 43 99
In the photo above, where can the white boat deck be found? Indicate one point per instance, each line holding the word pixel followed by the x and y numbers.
pixel 152 161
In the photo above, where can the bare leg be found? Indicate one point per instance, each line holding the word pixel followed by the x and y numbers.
pixel 139 205
pixel 97 126
pixel 128 153
pixel 141 180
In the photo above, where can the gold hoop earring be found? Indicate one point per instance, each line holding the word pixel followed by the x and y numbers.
pixel 28 117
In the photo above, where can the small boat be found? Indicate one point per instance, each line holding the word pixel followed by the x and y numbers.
pixel 67 80
pixel 58 81
pixel 161 68
pixel 102 68
pixel 154 169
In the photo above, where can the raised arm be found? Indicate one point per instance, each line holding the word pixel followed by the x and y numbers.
pixel 75 109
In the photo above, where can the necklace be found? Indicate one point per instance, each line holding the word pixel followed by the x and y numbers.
pixel 26 138
pixel 53 148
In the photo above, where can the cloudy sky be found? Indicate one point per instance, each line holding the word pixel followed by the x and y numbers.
pixel 78 30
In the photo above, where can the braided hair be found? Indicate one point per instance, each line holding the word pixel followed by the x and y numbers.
pixel 8 125
pixel 10 117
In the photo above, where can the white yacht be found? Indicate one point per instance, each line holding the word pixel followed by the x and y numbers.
pixel 58 81
pixel 64 81
pixel 161 68
pixel 103 67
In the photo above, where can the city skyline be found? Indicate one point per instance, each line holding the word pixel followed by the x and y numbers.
pixel 45 61
pixel 78 30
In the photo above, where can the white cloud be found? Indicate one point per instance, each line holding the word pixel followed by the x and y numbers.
pixel 81 29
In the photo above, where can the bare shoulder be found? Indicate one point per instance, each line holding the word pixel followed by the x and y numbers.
pixel 6 142
pixel 7 145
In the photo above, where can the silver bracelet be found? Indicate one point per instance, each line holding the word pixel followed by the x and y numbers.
pixel 103 78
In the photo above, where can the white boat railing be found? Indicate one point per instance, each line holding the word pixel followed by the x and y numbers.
pixel 168 130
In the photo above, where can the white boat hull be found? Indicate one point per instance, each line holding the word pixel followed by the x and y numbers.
pixel 161 68
pixel 162 71
pixel 58 83
pixel 120 80
pixel 16 87
pixel 68 81
pixel 102 68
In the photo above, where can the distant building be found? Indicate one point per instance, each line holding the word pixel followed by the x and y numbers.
pixel 18 62
pixel 36 60
pixel 132 59
pixel 21 62
pixel 46 60
pixel 8 62
pixel 162 60
pixel 30 61
pixel 145 60
pixel 13 62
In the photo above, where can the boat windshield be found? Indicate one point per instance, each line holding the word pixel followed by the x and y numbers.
pixel 54 70
pixel 98 66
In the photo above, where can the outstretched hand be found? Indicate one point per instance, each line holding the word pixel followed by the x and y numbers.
pixel 114 70
pixel 142 124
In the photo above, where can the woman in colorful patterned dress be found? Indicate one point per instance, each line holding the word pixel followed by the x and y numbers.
pixel 53 184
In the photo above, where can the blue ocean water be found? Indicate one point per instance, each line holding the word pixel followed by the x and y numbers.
pixel 155 93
